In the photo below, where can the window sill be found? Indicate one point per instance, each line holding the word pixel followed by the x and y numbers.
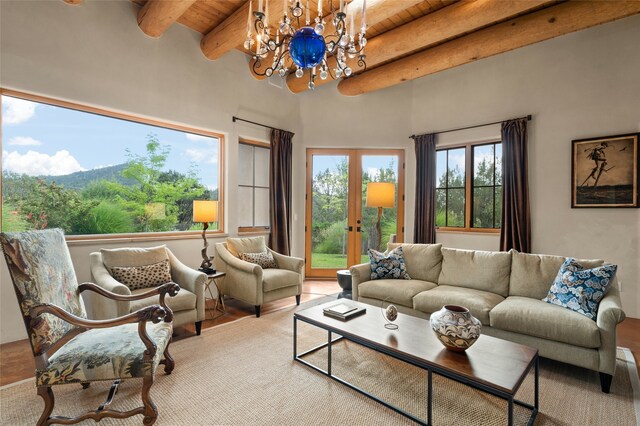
pixel 469 231
pixel 78 240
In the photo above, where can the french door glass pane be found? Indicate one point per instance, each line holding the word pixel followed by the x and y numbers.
pixel 441 207
pixel 441 169
pixel 329 211
pixel 378 168
pixel 455 175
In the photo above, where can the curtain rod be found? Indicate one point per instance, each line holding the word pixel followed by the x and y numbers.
pixel 528 117
pixel 234 118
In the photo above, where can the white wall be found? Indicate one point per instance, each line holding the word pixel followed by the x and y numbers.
pixel 95 54
pixel 580 85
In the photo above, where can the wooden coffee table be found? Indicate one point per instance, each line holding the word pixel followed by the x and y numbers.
pixel 492 365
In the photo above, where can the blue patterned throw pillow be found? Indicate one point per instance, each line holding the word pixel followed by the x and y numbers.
pixel 388 266
pixel 580 289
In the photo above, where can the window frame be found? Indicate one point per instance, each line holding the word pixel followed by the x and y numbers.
pixel 255 229
pixel 137 236
pixel 468 188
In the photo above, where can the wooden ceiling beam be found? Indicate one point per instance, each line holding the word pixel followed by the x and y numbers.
pixel 432 29
pixel 74 2
pixel 156 16
pixel 377 11
pixel 515 33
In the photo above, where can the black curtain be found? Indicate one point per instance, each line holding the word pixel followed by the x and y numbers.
pixel 280 190
pixel 424 229
pixel 516 217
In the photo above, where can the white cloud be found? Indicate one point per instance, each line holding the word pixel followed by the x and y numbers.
pixel 196 138
pixel 373 172
pixel 24 141
pixel 36 163
pixel 201 156
pixel 16 111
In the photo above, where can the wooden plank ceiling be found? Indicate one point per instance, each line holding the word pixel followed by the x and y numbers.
pixel 408 39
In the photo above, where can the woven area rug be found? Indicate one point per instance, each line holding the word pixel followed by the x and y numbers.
pixel 242 373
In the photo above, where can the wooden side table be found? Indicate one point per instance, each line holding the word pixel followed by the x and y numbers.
pixel 213 281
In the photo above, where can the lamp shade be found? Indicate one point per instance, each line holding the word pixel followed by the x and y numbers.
pixel 205 211
pixel 381 194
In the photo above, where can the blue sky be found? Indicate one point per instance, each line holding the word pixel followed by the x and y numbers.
pixel 39 139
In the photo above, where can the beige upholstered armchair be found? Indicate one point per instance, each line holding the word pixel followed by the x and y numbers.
pixel 128 265
pixel 70 349
pixel 252 283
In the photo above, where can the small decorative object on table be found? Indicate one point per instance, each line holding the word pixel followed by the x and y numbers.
pixel 344 311
pixel 344 280
pixel 390 314
pixel 455 327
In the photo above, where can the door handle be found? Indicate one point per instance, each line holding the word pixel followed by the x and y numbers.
pixel 348 228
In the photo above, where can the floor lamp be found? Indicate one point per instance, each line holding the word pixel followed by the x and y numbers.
pixel 205 211
pixel 380 195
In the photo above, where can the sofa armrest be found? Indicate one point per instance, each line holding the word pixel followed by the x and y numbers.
pixel 101 307
pixel 359 274
pixel 191 280
pixel 290 263
pixel 610 314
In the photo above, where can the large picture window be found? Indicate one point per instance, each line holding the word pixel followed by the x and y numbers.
pixel 91 172
pixel 469 187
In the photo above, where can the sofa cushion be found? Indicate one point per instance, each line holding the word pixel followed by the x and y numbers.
pixel 183 301
pixel 539 319
pixel 133 256
pixel 533 274
pixel 480 270
pixel 264 259
pixel 400 292
pixel 580 289
pixel 423 261
pixel 478 302
pixel 273 279
pixel 388 266
pixel 237 246
pixel 145 276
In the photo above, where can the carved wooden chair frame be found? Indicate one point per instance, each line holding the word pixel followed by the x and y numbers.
pixel 153 313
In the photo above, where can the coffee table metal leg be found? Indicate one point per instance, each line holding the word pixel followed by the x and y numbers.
pixel 295 338
pixel 329 355
pixel 510 423
pixel 429 396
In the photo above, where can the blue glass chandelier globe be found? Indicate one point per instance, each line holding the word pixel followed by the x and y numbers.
pixel 307 48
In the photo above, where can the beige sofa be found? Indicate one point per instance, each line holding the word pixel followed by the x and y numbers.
pixel 504 291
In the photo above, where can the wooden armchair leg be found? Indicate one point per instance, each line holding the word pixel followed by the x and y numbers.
pixel 257 311
pixel 198 327
pixel 46 394
pixel 298 299
pixel 150 409
pixel 168 361
pixel 85 385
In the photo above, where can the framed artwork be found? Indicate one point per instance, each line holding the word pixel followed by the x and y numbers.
pixel 604 171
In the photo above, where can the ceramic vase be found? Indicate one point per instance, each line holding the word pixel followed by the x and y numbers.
pixel 455 327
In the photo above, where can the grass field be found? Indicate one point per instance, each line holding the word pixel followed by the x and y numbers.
pixel 324 260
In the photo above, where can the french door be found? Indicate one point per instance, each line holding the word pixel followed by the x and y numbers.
pixel 339 226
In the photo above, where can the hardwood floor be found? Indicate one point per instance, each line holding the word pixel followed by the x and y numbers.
pixel 16 361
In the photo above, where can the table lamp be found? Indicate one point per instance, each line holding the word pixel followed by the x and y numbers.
pixel 205 211
pixel 380 195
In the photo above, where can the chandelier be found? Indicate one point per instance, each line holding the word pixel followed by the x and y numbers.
pixel 307 47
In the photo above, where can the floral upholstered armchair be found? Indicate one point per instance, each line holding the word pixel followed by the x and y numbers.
pixel 69 348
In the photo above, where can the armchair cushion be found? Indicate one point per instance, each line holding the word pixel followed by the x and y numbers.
pixel 140 277
pixel 273 279
pixel 237 246
pixel 105 354
pixel 183 301
pixel 133 256
pixel 264 259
